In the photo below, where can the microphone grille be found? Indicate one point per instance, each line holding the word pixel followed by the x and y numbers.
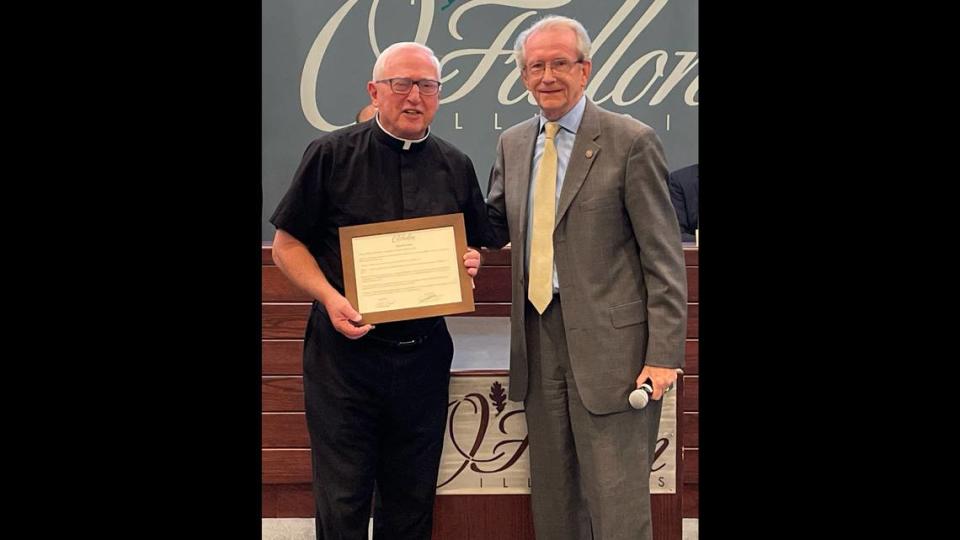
pixel 639 399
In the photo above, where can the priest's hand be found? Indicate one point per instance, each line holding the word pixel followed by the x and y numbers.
pixel 344 318
pixel 472 261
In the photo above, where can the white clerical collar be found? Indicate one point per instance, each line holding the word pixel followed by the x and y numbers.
pixel 406 142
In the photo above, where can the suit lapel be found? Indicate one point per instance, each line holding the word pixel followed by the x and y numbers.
pixel 584 153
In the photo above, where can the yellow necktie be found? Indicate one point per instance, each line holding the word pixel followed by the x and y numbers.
pixel 540 290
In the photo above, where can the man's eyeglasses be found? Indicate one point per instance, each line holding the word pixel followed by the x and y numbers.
pixel 403 85
pixel 560 65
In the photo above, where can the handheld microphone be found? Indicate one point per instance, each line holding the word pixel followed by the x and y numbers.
pixel 641 396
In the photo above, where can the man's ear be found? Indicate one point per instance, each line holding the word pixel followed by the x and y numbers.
pixel 587 67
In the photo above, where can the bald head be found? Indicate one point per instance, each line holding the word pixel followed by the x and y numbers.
pixel 404 48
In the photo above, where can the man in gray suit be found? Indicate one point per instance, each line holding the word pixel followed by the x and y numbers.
pixel 599 291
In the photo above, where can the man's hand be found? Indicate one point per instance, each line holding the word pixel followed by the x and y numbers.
pixel 662 378
pixel 343 316
pixel 472 261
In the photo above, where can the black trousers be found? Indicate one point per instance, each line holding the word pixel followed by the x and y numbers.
pixel 375 413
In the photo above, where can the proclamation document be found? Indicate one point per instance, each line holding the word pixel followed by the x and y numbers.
pixel 406 269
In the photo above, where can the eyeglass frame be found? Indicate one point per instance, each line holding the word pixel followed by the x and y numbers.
pixel 413 83
pixel 527 69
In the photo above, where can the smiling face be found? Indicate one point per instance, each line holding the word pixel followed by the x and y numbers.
pixel 556 93
pixel 405 115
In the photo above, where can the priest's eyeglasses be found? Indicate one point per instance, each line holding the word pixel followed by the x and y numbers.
pixel 403 85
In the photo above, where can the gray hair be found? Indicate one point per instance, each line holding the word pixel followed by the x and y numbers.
pixel 382 59
pixel 553 21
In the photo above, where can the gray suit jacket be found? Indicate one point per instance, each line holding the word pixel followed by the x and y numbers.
pixel 617 248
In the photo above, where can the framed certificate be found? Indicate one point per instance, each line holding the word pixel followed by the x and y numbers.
pixel 406 269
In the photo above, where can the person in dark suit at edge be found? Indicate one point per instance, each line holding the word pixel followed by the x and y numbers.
pixel 685 195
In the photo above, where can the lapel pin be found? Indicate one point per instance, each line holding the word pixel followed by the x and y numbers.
pixel 589 154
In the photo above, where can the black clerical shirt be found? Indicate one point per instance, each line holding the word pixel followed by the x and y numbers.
pixel 361 174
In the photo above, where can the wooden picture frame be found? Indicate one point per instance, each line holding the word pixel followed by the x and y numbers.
pixel 407 269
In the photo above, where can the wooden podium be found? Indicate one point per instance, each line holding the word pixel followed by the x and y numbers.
pixel 286 490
